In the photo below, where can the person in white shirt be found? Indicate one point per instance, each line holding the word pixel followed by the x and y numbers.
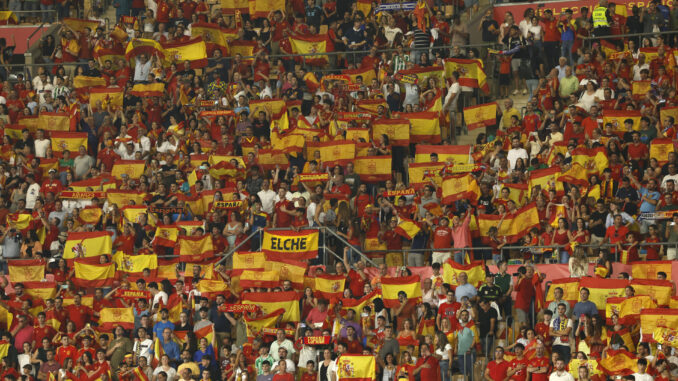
pixel 281 342
pixel 638 67
pixel 391 31
pixel 672 175
pixel 142 68
pixel 642 375
pixel 32 192
pixel 516 152
pixel 41 144
pixel 143 344
pixel 561 374
pixel 267 197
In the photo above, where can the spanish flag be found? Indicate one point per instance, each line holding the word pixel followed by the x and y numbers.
pixel 618 363
pixel 68 141
pixel 660 149
pixel 259 105
pixel 624 334
pixel 640 88
pixel 79 25
pixel 133 212
pixel 82 81
pixel 95 184
pixel 366 73
pixel 458 187
pixel 155 89
pixel 517 192
pixel 261 8
pixel 167 268
pixel 211 33
pixel 331 287
pixel 41 290
pixel 206 332
pixel 397 130
pixel 546 179
pixel 474 270
pixel 286 140
pixel 576 175
pixel 570 287
pixel 210 288
pixel 601 289
pixel 90 244
pixel 390 287
pixel 470 71
pixel 14 131
pixel 353 134
pixel 666 336
pixel 617 118
pixel 143 46
pixel 194 51
pixel 290 244
pixel 26 270
pixel 371 105
pixel 90 215
pixel 649 270
pixel 93 274
pixel 158 352
pixel 119 34
pixel 424 73
pixel 20 221
pixel 123 197
pixel 259 279
pixel 451 154
pixel 112 55
pixel 250 261
pixel 107 96
pixel 669 111
pixel 165 235
pixel 29 121
pixel 659 290
pixel 268 159
pixel 288 269
pixel 364 6
pixel 424 126
pixel 109 318
pixel 357 305
pixel 312 44
pixel 338 152
pixel 420 174
pixel 8 17
pixel 134 265
pixel 591 364
pixel 132 168
pixel 271 302
pixel 257 324
pixel 480 116
pixel 229 7
pixel 514 227
pixel 628 309
pixel 54 121
pixel 194 248
pixel 242 47
pixel 593 159
pixel 356 367
pixel 407 228
pixel 373 168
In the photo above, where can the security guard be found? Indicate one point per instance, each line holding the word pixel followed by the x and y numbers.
pixel 601 19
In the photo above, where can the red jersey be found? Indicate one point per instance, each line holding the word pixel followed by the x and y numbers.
pixel 498 370
pixel 442 238
pixel 520 375
pixel 62 353
pixel 80 315
pixel 541 362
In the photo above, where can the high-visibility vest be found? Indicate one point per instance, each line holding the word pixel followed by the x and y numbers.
pixel 599 17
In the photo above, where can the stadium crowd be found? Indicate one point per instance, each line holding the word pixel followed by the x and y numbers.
pixel 171 152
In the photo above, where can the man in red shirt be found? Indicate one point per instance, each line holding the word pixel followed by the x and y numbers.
pixel 551 38
pixel 497 370
pixel 518 366
pixel 79 314
pixel 637 150
pixel 442 239
pixel 427 366
pixel 52 184
pixel 448 309
pixel 42 330
pixel 282 374
pixel 617 232
pixel 66 350
pixel 539 365
pixel 356 278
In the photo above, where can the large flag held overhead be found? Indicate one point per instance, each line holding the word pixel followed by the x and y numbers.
pixel 356 368
pixel 155 89
pixel 145 46
pixel 480 116
pixel 471 73
pixel 79 25
pixel 628 309
pixel 330 286
pixel 601 289
pixel 397 130
pixel 570 287
pixel 649 269
pixel 425 126
pixel 390 287
pixel 131 168
pixel 286 300
pixel 618 363
pixel 332 153
pixel 618 117
pixel 89 274
pixel 659 290
pixel 660 149
pixel 373 168
pixel 87 244
pixel 108 96
pixel 109 318
pixel 513 227
pixel 194 248
pixel 26 270
pixel 475 272
pixel 290 244
pixel 288 269
pixel 212 33
pixel 259 279
pixel 68 141
pixel 451 154
pixel 249 261
pixel 261 8
pixel 54 121
pixel 311 45
pixel 193 51
pixel 458 187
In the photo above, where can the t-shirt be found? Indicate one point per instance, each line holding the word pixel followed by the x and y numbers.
pixel 564 376
pixel 558 325
pixel 498 370
pixel 541 362
pixel 520 375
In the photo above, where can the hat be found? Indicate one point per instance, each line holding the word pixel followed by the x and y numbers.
pixel 52 171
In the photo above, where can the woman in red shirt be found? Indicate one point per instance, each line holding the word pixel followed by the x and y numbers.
pixel 561 238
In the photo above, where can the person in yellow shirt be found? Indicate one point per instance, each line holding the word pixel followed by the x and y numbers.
pixel 509 111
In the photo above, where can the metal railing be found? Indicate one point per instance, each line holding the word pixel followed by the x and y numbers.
pixel 55 19
pixel 28 39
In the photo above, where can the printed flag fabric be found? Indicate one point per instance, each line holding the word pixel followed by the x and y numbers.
pixel 330 286
pixel 425 126
pixel 125 197
pixel 665 336
pixel 458 187
pixel 8 17
pixel 194 248
pixel 286 300
pixel 211 33
pixel 83 81
pixel 259 279
pixel 546 179
pixel 618 117
pixel 210 288
pixel 194 51
pixel 592 159
pixel 165 235
pixel 88 244
pixel 390 287
pixel 40 290
pixel 640 89
pixel 590 364
pixel 54 121
pixel 68 141
pixel 242 47
pixel 514 227
pixel 107 96
pixel 570 287
pixel 446 154
pixel 134 265
pixel 26 270
pixel 480 116
pixel 367 74
pixel 397 130
pixel 229 7
pixel 206 332
pixel 423 74
pixel 601 289
pixel 659 290
pixel 618 363
pixel 332 153
pixel 470 71
pixel 357 305
pixel 249 261
pixel 109 318
pixel 356 368
pixel 261 8
pixel 576 175
pixel 79 25
pixel 288 269
pixel 407 228
pixel 420 174
pixel 649 270
pixel 138 46
pixel 651 319
pixel 373 168
pixel 475 272
pixel 628 309
pixel 660 149
pixel 256 325
pixel 91 275
pixel 311 45
pixel 156 89
pixel 90 215
pixel 290 244
pixel 132 168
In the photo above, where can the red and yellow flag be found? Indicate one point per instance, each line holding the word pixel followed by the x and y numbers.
pixel 132 168
pixel 143 46
pixel 470 71
pixel 290 244
pixel 206 332
pixel 592 159
pixel 112 55
pixel 256 325
pixel 79 25
pixel 165 235
pixel 602 289
pixel 514 226
pixel 83 81
pixel 92 275
pixel 618 363
pixel 649 270
pixel 155 89
pixel 640 88
pixel 210 288
pixel 311 45
pixel 425 126
pixel 212 33
pixel 109 318
pixel 546 179
pixel 261 9
pixel 259 279
pixel 123 197
pixel 390 287
pixel 194 248
pixel 229 7
pixel 651 319
pixel 420 174
pixel 242 47
pixel 108 96
pixel 480 116
pixel 54 121
pixel 26 270
pixel 288 301
pixel 338 152
pixel 366 73
pixel 458 187
pixel 618 117
pixel 397 130
pixel 660 149
pixel 628 309
pixel 424 73
pixel 90 215
pixel 356 368
pixel 249 261
pixel 474 270
pixel 570 287
pixel 659 290
pixel 89 244
pixel 288 269
pixel 194 51
pixel 373 168
pixel 134 265
pixel 331 287
pixel 451 154
pixel 40 290
pixel 68 141
pixel 8 17
pixel 407 228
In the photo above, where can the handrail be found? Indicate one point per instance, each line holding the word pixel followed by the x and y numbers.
pixel 232 251
pixel 616 36
pixel 359 251
pixel 28 40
